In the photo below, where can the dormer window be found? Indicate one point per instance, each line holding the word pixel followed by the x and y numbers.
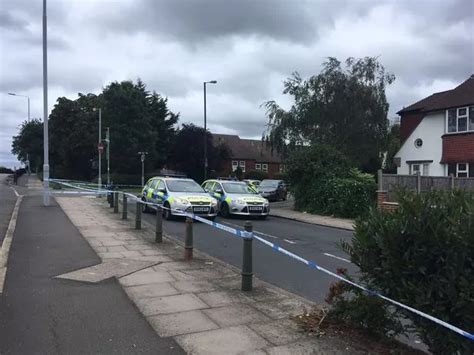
pixel 460 119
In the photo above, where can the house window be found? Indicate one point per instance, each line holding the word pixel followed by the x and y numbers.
pixel 265 167
pixel 422 168
pixel 258 166
pixel 460 119
pixel 235 164
pixel 242 165
pixel 461 170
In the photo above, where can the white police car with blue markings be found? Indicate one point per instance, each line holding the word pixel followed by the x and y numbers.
pixel 179 197
pixel 237 198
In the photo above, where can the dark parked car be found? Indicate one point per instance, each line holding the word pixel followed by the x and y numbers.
pixel 273 190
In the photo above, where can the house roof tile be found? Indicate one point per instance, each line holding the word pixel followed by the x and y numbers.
pixel 461 95
pixel 250 149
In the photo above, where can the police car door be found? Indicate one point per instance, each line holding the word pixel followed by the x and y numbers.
pixel 161 194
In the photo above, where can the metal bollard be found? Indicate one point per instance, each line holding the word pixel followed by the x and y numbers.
pixel 124 206
pixel 116 202
pixel 138 215
pixel 159 225
pixel 247 267
pixel 188 242
pixel 111 199
pixel 108 198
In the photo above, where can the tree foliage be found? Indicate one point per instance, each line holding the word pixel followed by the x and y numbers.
pixel 392 147
pixel 28 144
pixel 422 255
pixel 323 182
pixel 344 107
pixel 138 121
pixel 188 152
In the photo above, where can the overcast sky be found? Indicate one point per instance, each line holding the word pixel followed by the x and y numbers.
pixel 249 47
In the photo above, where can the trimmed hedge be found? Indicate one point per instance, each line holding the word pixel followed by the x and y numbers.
pixel 423 255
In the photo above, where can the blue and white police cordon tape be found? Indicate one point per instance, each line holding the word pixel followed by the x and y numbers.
pixel 244 234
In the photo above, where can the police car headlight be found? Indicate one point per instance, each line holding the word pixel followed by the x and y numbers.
pixel 240 202
pixel 214 202
pixel 182 201
pixel 265 202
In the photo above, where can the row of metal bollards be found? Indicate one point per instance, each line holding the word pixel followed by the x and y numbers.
pixel 247 258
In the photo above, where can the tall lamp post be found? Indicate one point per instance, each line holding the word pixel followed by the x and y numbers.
pixel 205 127
pixel 45 110
pixel 107 140
pixel 13 94
pixel 142 158
pixel 100 147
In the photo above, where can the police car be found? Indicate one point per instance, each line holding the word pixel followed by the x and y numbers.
pixel 237 198
pixel 179 196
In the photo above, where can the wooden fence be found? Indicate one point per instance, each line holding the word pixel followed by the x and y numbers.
pixel 391 182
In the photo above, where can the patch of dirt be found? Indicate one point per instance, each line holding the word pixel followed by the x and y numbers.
pixel 317 322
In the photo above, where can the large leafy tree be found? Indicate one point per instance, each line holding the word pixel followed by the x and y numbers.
pixel 344 106
pixel 138 121
pixel 28 144
pixel 188 152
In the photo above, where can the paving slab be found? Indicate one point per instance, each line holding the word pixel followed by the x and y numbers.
pixel 151 290
pixel 235 314
pixel 282 308
pixel 194 286
pixel 146 276
pixel 279 332
pixel 181 323
pixel 232 340
pixel 221 298
pixel 170 304
pixel 109 268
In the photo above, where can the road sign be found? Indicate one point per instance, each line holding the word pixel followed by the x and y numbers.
pixel 100 146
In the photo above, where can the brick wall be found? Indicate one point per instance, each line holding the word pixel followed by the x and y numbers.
pixel 383 204
pixel 226 168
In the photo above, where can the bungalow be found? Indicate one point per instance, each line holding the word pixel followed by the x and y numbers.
pixel 248 154
pixel 437 134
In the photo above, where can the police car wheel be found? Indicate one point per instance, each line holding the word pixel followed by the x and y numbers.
pixel 225 210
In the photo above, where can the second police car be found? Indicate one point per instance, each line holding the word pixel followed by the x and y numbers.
pixel 179 196
pixel 236 197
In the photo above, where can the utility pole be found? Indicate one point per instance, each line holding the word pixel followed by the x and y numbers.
pixel 205 127
pixel 100 147
pixel 45 110
pixel 107 140
pixel 142 158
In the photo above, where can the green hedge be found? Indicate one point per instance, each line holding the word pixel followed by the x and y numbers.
pixel 323 182
pixel 423 255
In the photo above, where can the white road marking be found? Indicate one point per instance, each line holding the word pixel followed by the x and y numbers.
pixel 16 193
pixel 289 241
pixel 337 257
pixel 7 241
pixel 240 227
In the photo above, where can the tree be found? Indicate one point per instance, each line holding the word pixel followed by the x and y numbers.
pixel 138 121
pixel 28 144
pixel 344 107
pixel 392 148
pixel 188 152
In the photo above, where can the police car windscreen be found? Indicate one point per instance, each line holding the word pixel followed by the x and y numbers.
pixel 239 188
pixel 183 186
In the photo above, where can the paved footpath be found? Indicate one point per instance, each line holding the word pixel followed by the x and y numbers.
pixel 285 209
pixel 41 314
pixel 197 304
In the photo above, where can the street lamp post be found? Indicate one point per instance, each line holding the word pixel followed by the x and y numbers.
pixel 205 127
pixel 142 158
pixel 13 94
pixel 99 148
pixel 45 110
pixel 107 140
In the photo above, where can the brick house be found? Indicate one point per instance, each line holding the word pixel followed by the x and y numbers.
pixel 249 154
pixel 437 134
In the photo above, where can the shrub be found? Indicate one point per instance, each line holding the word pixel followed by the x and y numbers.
pixel 422 255
pixel 256 175
pixel 323 182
